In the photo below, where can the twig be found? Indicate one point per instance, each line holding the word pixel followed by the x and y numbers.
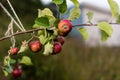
pixel 34 30
pixel 10 16
pixel 18 33
pixel 15 15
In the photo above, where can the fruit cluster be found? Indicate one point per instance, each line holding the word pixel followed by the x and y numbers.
pixel 64 27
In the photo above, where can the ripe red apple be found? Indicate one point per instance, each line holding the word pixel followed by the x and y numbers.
pixel 57 47
pixel 61 39
pixel 17 72
pixel 14 50
pixel 64 27
pixel 35 46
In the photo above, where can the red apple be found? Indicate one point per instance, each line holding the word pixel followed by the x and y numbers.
pixel 57 47
pixel 14 50
pixel 17 72
pixel 61 39
pixel 64 27
pixel 35 46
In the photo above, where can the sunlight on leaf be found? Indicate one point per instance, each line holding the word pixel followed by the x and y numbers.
pixel 26 60
pixel 114 8
pixel 76 3
pixel 84 33
pixel 106 27
pixel 74 13
pixel 104 36
pixel 58 1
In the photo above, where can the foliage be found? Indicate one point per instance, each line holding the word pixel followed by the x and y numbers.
pixel 46 25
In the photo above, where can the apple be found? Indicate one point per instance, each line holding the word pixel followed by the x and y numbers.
pixel 64 27
pixel 14 50
pixel 16 72
pixel 61 39
pixel 57 47
pixel 35 46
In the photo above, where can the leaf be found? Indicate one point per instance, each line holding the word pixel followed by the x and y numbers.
pixel 58 1
pixel 12 61
pixel 5 73
pixel 84 33
pixel 118 19
pixel 114 8
pixel 6 60
pixel 8 69
pixel 42 21
pixel 48 49
pixel 63 7
pixel 104 35
pixel 74 13
pixel 26 60
pixel 45 12
pixel 76 3
pixel 90 16
pixel 23 47
pixel 106 27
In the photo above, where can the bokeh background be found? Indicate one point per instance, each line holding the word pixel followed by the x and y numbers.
pixel 79 60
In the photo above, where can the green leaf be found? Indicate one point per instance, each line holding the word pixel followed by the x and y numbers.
pixel 23 47
pixel 12 61
pixel 5 73
pixel 43 39
pixel 76 3
pixel 48 49
pixel 74 13
pixel 42 21
pixel 106 27
pixel 26 60
pixel 63 7
pixel 90 16
pixel 8 69
pixel 6 60
pixel 45 12
pixel 118 19
pixel 104 35
pixel 114 8
pixel 58 1
pixel 84 33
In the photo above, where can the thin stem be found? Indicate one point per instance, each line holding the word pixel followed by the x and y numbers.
pixel 18 33
pixel 10 16
pixel 16 15
pixel 34 30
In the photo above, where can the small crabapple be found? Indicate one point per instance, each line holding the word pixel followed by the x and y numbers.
pixel 64 27
pixel 35 46
pixel 57 47
pixel 14 50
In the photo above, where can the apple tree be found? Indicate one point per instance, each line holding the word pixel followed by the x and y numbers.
pixel 51 33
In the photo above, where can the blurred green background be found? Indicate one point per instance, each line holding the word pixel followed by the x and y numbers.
pixel 77 61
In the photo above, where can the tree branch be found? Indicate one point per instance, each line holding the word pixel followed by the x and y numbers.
pixel 34 30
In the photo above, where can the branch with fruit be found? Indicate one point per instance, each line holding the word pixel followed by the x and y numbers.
pixel 48 34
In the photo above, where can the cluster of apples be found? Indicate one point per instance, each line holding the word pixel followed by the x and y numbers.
pixel 64 27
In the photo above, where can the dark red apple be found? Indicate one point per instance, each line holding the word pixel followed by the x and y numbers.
pixel 17 72
pixel 57 47
pixel 14 50
pixel 61 39
pixel 64 27
pixel 35 46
